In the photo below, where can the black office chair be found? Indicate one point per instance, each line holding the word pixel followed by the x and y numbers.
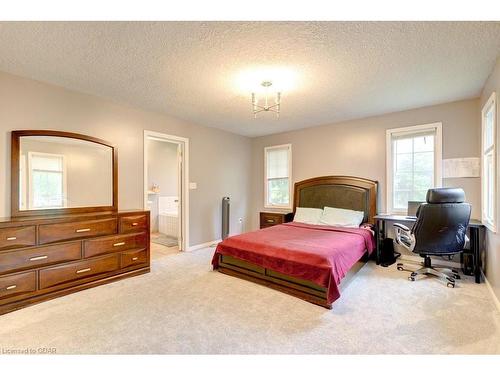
pixel 440 229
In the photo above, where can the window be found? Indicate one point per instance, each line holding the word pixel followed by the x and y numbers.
pixel 47 180
pixel 488 155
pixel 413 164
pixel 278 161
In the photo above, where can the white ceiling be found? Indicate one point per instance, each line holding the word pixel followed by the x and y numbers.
pixel 191 70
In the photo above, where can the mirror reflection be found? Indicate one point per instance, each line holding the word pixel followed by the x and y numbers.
pixel 58 172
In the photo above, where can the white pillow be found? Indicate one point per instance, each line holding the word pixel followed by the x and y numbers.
pixel 341 217
pixel 307 215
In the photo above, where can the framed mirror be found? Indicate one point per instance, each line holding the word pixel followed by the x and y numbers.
pixel 55 172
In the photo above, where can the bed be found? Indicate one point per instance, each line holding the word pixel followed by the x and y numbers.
pixel 312 262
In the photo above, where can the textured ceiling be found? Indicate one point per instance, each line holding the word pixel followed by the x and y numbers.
pixel 192 70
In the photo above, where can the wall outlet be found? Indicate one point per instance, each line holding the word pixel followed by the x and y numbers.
pixel 193 185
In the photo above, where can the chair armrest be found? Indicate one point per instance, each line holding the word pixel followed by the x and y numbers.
pixel 402 227
pixel 467 242
pixel 404 236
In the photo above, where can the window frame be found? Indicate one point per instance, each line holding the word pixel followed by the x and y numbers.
pixel 491 103
pixel 288 146
pixel 438 158
pixel 30 179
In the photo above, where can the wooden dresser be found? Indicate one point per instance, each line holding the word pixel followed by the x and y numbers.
pixel 268 219
pixel 49 256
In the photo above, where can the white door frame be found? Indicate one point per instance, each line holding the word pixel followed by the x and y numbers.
pixel 184 191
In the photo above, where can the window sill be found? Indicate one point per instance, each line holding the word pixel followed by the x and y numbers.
pixel 272 207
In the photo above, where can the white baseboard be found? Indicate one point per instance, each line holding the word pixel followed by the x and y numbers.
pixel 210 243
pixel 492 292
pixel 203 245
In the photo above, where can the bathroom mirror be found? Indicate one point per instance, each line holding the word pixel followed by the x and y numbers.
pixel 59 173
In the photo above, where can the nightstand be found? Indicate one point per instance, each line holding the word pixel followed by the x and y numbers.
pixel 268 219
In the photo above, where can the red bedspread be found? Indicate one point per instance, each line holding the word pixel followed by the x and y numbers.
pixel 321 254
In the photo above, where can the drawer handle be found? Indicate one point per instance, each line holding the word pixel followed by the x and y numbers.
pixel 39 258
pixel 83 230
pixel 135 224
pixel 83 270
pixel 270 220
pixel 119 244
pixel 135 258
pixel 11 238
pixel 11 287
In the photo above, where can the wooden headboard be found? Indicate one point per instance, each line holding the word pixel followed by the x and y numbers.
pixel 347 192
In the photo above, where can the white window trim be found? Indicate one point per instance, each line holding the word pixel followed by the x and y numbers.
pixel 491 225
pixel 30 179
pixel 438 158
pixel 290 189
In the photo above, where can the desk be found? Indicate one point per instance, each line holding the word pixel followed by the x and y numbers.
pixel 475 228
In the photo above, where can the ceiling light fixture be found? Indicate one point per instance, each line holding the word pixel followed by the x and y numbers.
pixel 266 107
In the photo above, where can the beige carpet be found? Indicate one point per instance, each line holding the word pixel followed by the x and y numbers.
pixel 184 307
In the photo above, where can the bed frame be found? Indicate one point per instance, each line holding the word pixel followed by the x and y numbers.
pixel 353 193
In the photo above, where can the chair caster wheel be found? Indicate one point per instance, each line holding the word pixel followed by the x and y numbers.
pixel 400 268
pixel 450 285
pixel 411 278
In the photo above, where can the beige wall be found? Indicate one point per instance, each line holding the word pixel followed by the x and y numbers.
pixel 163 167
pixel 219 161
pixel 492 256
pixel 357 148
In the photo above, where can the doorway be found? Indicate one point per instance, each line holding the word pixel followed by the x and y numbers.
pixel 165 191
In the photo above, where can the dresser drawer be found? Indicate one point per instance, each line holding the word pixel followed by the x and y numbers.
pixel 134 257
pixel 78 270
pixel 48 233
pixel 16 284
pixel 17 237
pixel 136 223
pixel 112 244
pixel 29 258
